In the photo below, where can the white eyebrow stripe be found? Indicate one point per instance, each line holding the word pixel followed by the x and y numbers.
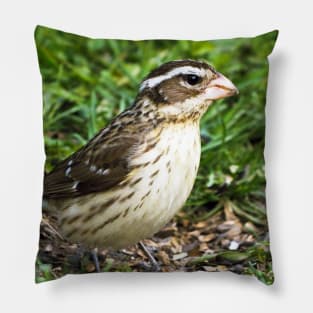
pixel 183 70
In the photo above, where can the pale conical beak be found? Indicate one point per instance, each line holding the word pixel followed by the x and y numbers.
pixel 220 87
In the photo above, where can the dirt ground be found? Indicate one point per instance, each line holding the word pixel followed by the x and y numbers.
pixel 222 242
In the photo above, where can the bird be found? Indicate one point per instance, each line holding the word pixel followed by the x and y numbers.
pixel 136 173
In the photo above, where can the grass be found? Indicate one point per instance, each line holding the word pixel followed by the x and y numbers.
pixel 86 82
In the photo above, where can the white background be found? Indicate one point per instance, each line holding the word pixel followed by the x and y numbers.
pixel 288 155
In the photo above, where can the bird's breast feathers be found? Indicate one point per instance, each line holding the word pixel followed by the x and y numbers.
pixel 162 176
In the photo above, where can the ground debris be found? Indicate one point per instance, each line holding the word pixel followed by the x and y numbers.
pixel 219 243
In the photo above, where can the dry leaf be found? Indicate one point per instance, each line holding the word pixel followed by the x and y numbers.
pixel 207 238
pixel 201 224
pixel 163 257
pixel 225 226
pixel 195 233
pixel 203 247
pixel 210 268
pixel 179 256
pixel 234 231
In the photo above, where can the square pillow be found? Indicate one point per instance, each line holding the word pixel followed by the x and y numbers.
pixel 154 155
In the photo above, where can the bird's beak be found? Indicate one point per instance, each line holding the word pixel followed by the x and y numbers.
pixel 220 87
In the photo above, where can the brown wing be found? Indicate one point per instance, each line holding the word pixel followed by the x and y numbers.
pixel 99 166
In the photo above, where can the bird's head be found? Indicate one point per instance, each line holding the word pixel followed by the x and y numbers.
pixel 185 88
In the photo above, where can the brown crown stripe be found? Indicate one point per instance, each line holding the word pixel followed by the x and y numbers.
pixel 166 67
pixel 110 220
pixel 100 210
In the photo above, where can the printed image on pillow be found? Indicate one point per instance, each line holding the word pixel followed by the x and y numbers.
pixel 154 155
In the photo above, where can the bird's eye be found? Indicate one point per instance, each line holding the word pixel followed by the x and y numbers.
pixel 192 79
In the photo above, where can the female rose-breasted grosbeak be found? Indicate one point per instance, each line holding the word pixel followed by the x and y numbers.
pixel 136 173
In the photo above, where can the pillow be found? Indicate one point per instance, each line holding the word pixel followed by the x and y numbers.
pixel 154 155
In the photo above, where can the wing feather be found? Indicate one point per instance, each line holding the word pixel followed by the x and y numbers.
pixel 100 165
